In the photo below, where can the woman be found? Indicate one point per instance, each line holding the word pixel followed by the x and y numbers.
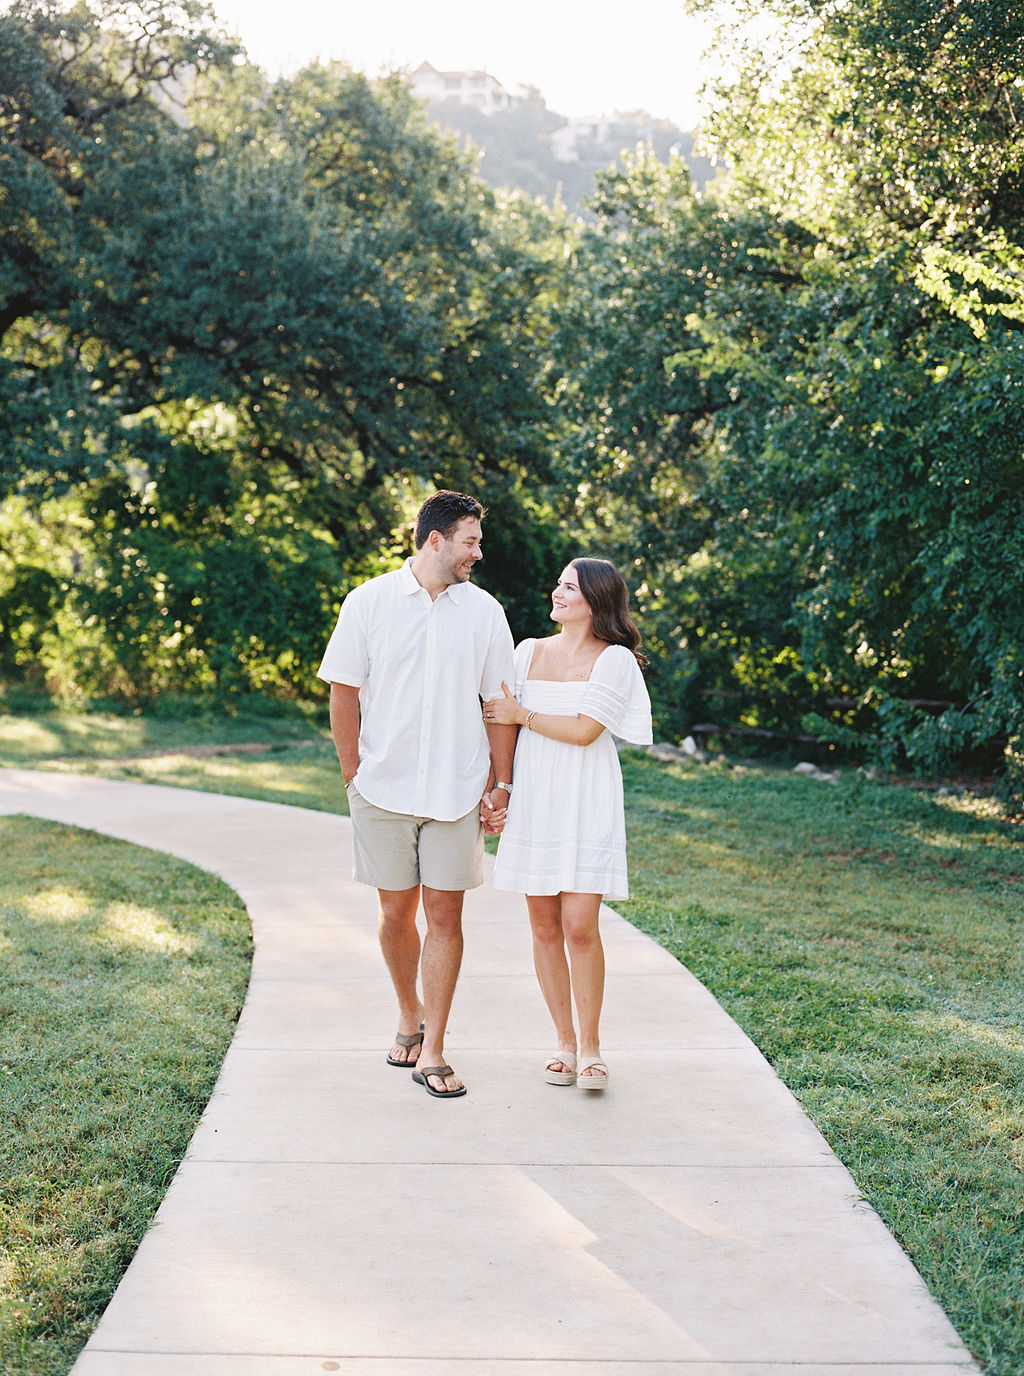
pixel 564 837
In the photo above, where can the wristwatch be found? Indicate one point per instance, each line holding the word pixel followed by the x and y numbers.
pixel 507 787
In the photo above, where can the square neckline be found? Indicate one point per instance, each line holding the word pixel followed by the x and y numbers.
pixel 536 642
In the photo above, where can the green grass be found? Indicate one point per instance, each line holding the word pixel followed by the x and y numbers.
pixel 869 940
pixel 49 734
pixel 302 775
pixel 122 972
pixel 868 937
pixel 296 762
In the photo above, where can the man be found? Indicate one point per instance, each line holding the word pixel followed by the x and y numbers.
pixel 413 653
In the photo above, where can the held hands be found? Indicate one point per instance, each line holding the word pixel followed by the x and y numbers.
pixel 504 711
pixel 493 809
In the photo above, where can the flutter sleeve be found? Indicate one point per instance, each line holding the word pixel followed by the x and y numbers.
pixel 616 696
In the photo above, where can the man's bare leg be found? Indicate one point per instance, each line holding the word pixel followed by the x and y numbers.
pixel 400 944
pixel 442 957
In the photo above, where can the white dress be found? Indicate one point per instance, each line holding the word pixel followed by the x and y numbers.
pixel 566 824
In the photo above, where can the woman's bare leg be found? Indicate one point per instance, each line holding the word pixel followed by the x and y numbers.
pixel 586 963
pixel 552 968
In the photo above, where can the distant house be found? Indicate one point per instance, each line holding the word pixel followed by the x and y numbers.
pixel 475 88
pixel 580 135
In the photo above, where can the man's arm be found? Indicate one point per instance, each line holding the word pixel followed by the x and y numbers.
pixel 502 740
pixel 500 665
pixel 345 728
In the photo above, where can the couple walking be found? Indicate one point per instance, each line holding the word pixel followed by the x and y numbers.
pixel 414 654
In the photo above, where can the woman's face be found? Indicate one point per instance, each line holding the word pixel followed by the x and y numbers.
pixel 568 605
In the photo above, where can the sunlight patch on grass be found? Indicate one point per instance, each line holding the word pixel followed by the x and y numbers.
pixel 56 905
pixel 273 775
pixel 305 775
pixel 26 738
pixel 45 735
pixel 970 805
pixel 1008 1038
pixel 954 848
pixel 66 733
pixel 143 928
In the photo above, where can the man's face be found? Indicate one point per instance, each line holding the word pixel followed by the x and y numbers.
pixel 456 557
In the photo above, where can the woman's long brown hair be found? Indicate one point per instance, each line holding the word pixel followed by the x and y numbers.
pixel 608 599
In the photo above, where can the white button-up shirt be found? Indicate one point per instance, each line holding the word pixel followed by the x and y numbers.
pixel 421 666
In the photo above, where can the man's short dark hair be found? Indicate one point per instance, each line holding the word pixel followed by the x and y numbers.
pixel 443 511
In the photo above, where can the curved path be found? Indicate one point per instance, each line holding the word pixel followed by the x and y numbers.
pixel 329 1216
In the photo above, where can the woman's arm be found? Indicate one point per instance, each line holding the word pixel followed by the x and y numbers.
pixel 577 730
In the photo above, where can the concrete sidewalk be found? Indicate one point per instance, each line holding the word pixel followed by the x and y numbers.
pixel 331 1217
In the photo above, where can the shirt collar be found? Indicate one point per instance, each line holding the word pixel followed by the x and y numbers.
pixel 411 584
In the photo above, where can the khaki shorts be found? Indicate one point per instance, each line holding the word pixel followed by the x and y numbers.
pixel 395 851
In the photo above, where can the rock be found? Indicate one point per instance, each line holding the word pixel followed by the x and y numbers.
pixel 811 771
pixel 668 754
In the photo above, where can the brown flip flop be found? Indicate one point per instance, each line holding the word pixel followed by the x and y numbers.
pixel 420 1076
pixel 408 1040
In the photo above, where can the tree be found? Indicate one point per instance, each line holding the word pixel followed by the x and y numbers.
pixel 77 119
pixel 818 448
pixel 892 137
pixel 275 315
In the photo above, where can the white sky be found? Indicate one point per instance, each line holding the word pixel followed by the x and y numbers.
pixel 587 57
